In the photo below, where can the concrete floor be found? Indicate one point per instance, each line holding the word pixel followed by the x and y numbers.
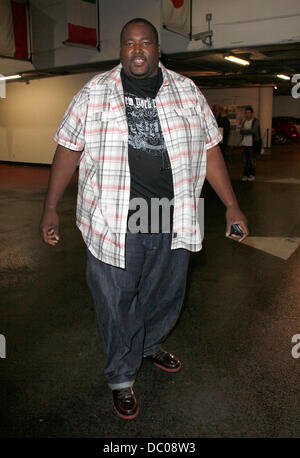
pixel 242 307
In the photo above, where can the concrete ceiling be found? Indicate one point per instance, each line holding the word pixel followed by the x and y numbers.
pixel 209 69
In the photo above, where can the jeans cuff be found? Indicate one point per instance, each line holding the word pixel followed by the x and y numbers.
pixel 119 386
pixel 151 352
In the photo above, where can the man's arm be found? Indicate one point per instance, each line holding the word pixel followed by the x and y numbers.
pixel 247 131
pixel 62 170
pixel 218 177
pixel 255 130
pixel 251 131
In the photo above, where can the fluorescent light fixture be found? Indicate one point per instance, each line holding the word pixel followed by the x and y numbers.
pixel 237 60
pixel 12 77
pixel 284 77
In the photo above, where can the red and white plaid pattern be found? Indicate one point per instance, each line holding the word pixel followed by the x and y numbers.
pixel 95 123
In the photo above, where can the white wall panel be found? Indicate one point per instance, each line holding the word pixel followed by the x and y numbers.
pixel 30 115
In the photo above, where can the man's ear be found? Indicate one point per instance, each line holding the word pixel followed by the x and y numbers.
pixel 159 51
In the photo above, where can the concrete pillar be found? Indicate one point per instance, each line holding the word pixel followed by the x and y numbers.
pixel 265 108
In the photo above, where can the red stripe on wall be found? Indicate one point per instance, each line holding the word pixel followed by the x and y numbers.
pixel 82 35
pixel 20 29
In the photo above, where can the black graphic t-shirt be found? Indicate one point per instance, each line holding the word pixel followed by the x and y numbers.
pixel 150 168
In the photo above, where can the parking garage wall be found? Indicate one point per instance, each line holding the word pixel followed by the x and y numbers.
pixel 259 98
pixel 30 114
pixel 286 106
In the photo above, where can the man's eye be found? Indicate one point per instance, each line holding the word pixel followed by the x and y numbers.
pixel 129 43
pixel 146 43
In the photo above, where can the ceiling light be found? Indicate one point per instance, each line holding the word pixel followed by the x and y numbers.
pixel 12 77
pixel 237 60
pixel 284 77
pixel 275 87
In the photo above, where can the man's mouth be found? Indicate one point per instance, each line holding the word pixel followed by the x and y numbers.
pixel 138 60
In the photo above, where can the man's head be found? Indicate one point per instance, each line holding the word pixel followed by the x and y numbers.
pixel 224 111
pixel 140 50
pixel 216 109
pixel 248 112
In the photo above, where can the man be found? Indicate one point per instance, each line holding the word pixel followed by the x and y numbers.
pixel 137 277
pixel 251 142
pixel 216 109
pixel 224 122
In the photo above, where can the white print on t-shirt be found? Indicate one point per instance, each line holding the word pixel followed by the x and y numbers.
pixel 144 131
pixel 143 103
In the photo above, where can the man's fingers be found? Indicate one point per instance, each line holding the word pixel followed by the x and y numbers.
pixel 245 230
pixel 52 232
pixel 243 227
pixel 50 235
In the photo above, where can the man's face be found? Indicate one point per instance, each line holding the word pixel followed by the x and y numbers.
pixel 248 114
pixel 139 51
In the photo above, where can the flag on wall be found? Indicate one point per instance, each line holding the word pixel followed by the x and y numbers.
pixel 82 17
pixel 13 29
pixel 176 16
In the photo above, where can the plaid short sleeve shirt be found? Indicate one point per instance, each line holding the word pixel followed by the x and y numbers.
pixel 96 124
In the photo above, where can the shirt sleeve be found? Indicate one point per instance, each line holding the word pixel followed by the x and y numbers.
pixel 210 126
pixel 70 132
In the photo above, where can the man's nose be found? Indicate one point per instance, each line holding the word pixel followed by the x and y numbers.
pixel 137 48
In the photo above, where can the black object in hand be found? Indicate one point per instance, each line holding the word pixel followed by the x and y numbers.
pixel 236 230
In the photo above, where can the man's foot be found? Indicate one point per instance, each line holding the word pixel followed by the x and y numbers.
pixel 165 361
pixel 244 178
pixel 125 404
pixel 251 178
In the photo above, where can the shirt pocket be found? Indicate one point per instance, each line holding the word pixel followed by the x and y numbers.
pixel 107 116
pixel 188 128
pixel 106 134
pixel 187 112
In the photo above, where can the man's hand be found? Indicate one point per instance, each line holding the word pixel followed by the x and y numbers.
pixel 235 216
pixel 63 167
pixel 218 177
pixel 49 227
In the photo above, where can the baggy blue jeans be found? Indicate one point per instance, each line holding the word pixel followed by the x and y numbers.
pixel 136 307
